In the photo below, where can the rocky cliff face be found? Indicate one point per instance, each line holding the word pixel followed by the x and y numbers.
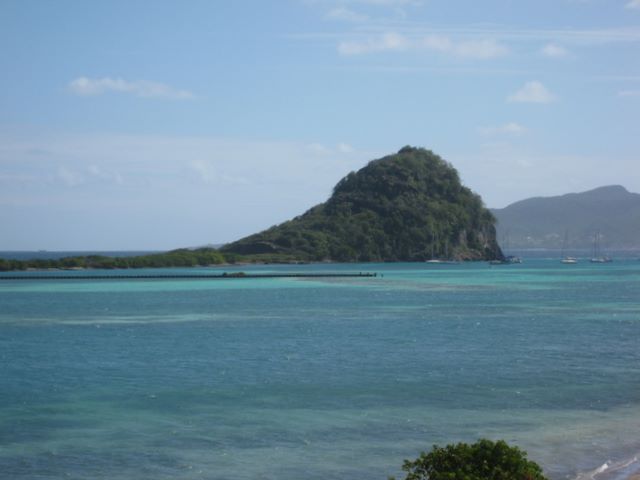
pixel 409 206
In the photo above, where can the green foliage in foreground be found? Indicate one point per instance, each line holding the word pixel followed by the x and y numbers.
pixel 483 460
pixel 200 257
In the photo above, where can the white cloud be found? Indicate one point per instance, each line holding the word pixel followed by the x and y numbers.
pixel 384 43
pixel 566 37
pixel 480 49
pixel 85 86
pixel 318 149
pixel 629 93
pixel 477 49
pixel 99 173
pixel 511 128
pixel 633 4
pixel 345 148
pixel 387 3
pixel 532 92
pixel 554 51
pixel 346 15
pixel 69 177
pixel 204 170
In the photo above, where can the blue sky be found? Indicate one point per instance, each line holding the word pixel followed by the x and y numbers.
pixel 156 125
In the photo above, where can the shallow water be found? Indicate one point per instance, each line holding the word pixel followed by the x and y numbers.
pixel 323 378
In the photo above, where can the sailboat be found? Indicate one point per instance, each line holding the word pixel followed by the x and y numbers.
pixel 567 260
pixel 446 259
pixel 511 258
pixel 434 239
pixel 598 257
pixel 507 259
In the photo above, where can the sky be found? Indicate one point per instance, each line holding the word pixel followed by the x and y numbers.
pixel 128 125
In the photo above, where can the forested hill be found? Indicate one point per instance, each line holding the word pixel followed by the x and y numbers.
pixel 409 206
pixel 543 222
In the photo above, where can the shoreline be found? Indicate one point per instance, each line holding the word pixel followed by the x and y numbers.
pixel 236 264
pixel 223 276
pixel 626 469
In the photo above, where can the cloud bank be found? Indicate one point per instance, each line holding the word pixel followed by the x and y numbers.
pixel 532 92
pixel 511 128
pixel 85 86
pixel 394 42
pixel 629 93
pixel 346 15
pixel 552 50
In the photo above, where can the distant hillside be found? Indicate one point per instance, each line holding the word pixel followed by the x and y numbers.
pixel 541 222
pixel 404 207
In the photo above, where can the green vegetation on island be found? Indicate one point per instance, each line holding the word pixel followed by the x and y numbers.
pixel 409 206
pixel 176 258
pixel 483 460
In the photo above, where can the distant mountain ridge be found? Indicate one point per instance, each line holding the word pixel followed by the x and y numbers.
pixel 409 206
pixel 543 222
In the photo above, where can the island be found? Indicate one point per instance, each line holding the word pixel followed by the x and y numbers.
pixel 409 206
pixel 405 207
pixel 572 221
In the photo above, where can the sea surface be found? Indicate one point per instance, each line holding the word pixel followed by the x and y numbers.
pixel 320 378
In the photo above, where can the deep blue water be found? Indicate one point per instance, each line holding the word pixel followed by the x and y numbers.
pixel 319 379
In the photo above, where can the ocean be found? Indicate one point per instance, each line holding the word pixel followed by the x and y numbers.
pixel 339 378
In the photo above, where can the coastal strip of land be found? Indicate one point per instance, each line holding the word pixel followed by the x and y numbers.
pixel 177 276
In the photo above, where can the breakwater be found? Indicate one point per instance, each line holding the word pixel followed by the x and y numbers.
pixel 223 276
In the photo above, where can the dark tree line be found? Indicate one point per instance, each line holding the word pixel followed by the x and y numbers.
pixel 174 258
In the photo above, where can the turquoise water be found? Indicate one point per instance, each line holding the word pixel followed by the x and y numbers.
pixel 319 379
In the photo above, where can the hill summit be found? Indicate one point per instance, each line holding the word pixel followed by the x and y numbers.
pixel 611 212
pixel 409 206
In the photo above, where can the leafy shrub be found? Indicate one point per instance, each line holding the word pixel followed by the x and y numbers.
pixel 483 460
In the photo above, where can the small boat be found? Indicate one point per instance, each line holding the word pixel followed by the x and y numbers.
pixel 446 260
pixel 567 260
pixel 602 259
pixel 438 261
pixel 598 257
pixel 508 260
